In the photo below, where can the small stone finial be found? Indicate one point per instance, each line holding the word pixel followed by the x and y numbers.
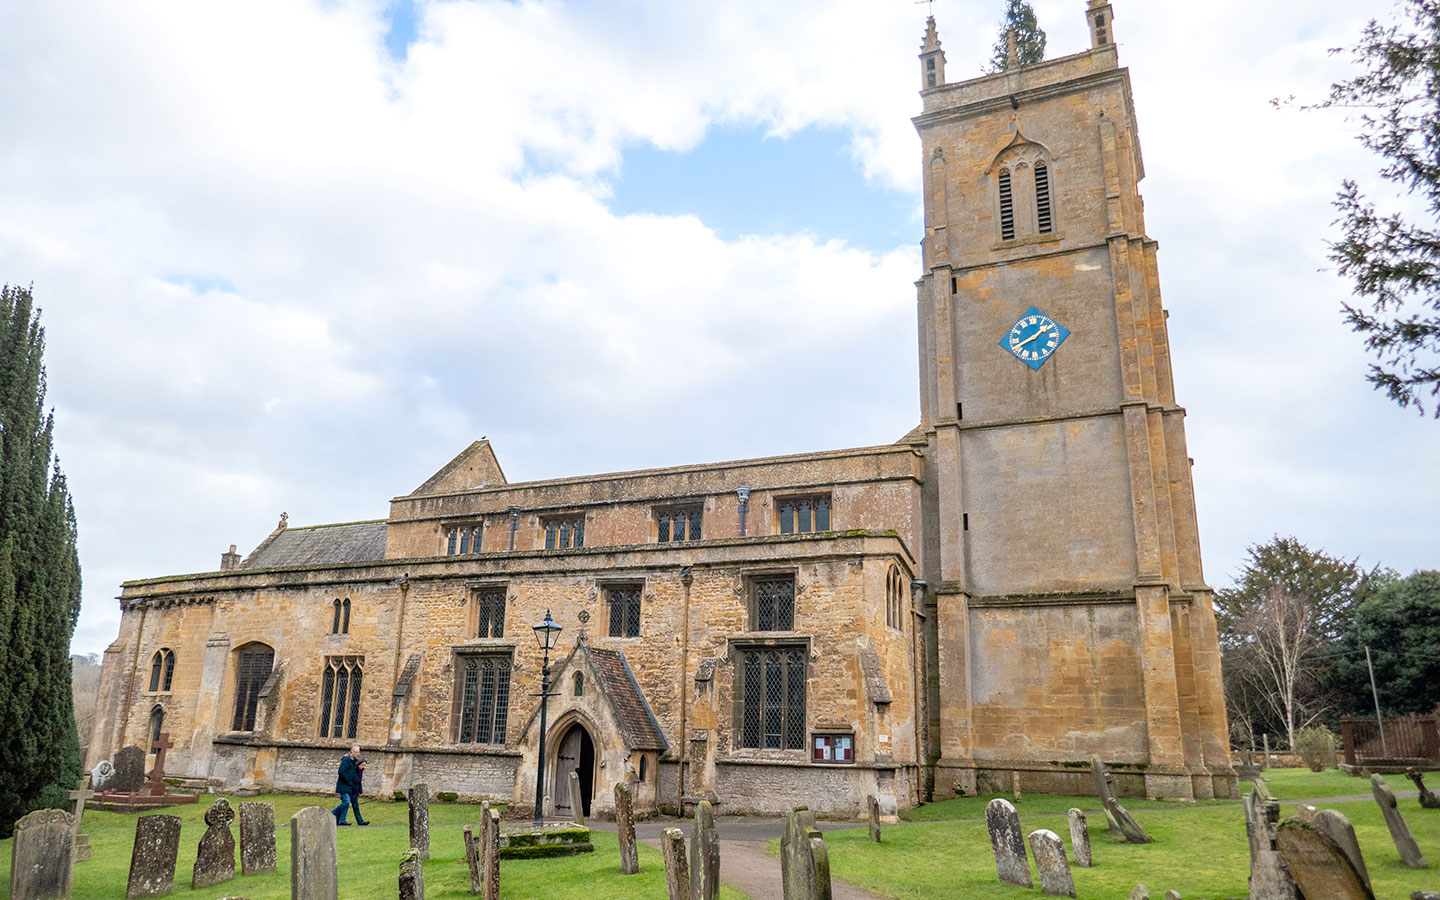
pixel 1012 49
pixel 932 68
pixel 284 518
pixel 1099 15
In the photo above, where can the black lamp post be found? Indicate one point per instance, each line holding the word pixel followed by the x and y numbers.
pixel 547 633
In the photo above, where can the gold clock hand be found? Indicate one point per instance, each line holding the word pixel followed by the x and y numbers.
pixel 1033 336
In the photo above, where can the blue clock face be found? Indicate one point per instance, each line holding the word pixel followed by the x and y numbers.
pixel 1034 338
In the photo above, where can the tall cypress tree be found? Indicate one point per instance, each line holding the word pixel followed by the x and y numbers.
pixel 39 578
pixel 1029 37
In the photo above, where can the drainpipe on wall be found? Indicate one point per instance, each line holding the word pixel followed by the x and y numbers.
pixel 514 524
pixel 686 577
pixel 744 494
pixel 919 687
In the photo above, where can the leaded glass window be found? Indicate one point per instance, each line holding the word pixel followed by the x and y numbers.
pixel 252 668
pixel 463 539
pixel 679 524
pixel 772 692
pixel 490 612
pixel 564 533
pixel 774 605
pixel 482 692
pixel 624 607
pixel 340 687
pixel 802 515
pixel 162 670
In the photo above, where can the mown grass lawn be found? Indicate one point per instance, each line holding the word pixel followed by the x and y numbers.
pixel 369 860
pixel 1199 850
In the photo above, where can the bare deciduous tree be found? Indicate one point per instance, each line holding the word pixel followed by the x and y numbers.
pixel 1280 634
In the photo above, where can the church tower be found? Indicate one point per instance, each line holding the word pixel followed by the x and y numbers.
pixel 1069 612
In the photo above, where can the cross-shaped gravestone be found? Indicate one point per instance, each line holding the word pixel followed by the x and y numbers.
pixel 157 774
pixel 77 798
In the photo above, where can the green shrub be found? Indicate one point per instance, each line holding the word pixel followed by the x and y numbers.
pixel 400 796
pixel 447 796
pixel 1315 745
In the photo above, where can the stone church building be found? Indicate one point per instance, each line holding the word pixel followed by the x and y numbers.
pixel 1009 588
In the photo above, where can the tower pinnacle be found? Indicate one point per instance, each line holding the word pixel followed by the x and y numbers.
pixel 1099 16
pixel 932 58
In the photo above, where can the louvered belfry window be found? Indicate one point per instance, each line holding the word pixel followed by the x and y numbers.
pixel 774 607
pixel 252 667
pixel 772 714
pixel 1007 207
pixel 340 687
pixel 1044 218
pixel 482 692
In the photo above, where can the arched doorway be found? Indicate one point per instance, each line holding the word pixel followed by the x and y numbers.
pixel 575 752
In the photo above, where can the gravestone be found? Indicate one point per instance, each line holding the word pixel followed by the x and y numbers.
pixel 872 808
pixel 1339 830
pixel 77 800
pixel 1015 786
pixel 1117 817
pixel 1425 895
pixel 129 771
pixel 472 858
pixel 1080 839
pixel 1428 800
pixel 419 798
pixel 1399 831
pixel 677 872
pixel 1008 842
pixel 155 785
pixel 1320 868
pixel 215 858
pixel 492 857
pixel 1306 813
pixel 1269 879
pixel 1173 895
pixel 625 828
pixel 41 857
pixel 577 804
pixel 1050 860
pixel 102 775
pixel 804 861
pixel 152 861
pixel 314 873
pixel 412 876
pixel 1140 892
pixel 704 854
pixel 257 837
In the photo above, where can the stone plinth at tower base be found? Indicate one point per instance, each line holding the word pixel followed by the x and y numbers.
pixel 546 842
pixel 968 778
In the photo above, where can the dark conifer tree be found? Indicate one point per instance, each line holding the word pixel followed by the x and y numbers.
pixel 39 579
pixel 1029 36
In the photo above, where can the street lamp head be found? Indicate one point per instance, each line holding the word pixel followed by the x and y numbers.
pixel 547 633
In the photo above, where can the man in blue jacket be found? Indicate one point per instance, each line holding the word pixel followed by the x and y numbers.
pixel 348 786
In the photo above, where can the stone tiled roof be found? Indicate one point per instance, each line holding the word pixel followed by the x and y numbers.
pixel 320 545
pixel 642 732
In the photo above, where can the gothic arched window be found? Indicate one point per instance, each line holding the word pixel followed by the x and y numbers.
pixel 579 684
pixel 253 663
pixel 157 725
pixel 162 670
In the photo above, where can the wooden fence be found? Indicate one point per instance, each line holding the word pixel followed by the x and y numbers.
pixel 1407 739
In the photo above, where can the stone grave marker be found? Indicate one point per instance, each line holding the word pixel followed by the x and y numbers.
pixel 1306 813
pixel 577 804
pixel 472 858
pixel 412 876
pixel 314 871
pixel 1050 859
pixel 1428 800
pixel 872 808
pixel 1425 895
pixel 215 857
pixel 77 800
pixel 804 861
pixel 1008 842
pixel 152 861
pixel 155 785
pixel 1015 787
pixel 1080 839
pixel 1140 892
pixel 1116 816
pixel 1318 865
pixel 1399 831
pixel 257 837
pixel 625 828
pixel 129 771
pixel 492 857
pixel 419 801
pixel 102 775
pixel 1269 879
pixel 42 865
pixel 1339 830
pixel 677 872
pixel 1173 895
pixel 704 854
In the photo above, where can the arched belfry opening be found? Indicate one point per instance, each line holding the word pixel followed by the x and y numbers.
pixel 574 752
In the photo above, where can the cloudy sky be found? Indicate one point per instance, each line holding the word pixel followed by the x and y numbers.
pixel 295 254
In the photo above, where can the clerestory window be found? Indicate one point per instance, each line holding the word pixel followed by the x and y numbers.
pixel 680 523
pixel 802 515
pixel 461 540
pixel 162 670
pixel 564 532
pixel 341 622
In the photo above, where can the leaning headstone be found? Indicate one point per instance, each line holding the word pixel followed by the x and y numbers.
pixel 1015 786
pixel 412 876
pixel 1050 859
pixel 419 798
pixel 1269 879
pixel 1428 800
pixel 704 854
pixel 152 861
pixel 1008 842
pixel 1319 867
pixel 129 771
pixel 1140 892
pixel 257 837
pixel 102 775
pixel 492 857
pixel 215 858
pixel 1080 839
pixel 42 864
pixel 1399 831
pixel 677 871
pixel 314 872
pixel 804 860
pixel 577 805
pixel 1339 830
pixel 1116 816
pixel 625 828
pixel 1173 895
pixel 77 800
pixel 472 858
pixel 872 809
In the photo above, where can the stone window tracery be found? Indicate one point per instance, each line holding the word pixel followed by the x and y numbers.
pixel 679 523
pixel 461 540
pixel 482 698
pixel 157 725
pixel 894 599
pixel 340 688
pixel 771 687
pixel 564 532
pixel 773 604
pixel 490 611
pixel 162 670
pixel 341 622
pixel 1025 191
pixel 803 515
pixel 623 605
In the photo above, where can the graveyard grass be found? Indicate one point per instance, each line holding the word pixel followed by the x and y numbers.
pixel 369 859
pixel 1199 850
